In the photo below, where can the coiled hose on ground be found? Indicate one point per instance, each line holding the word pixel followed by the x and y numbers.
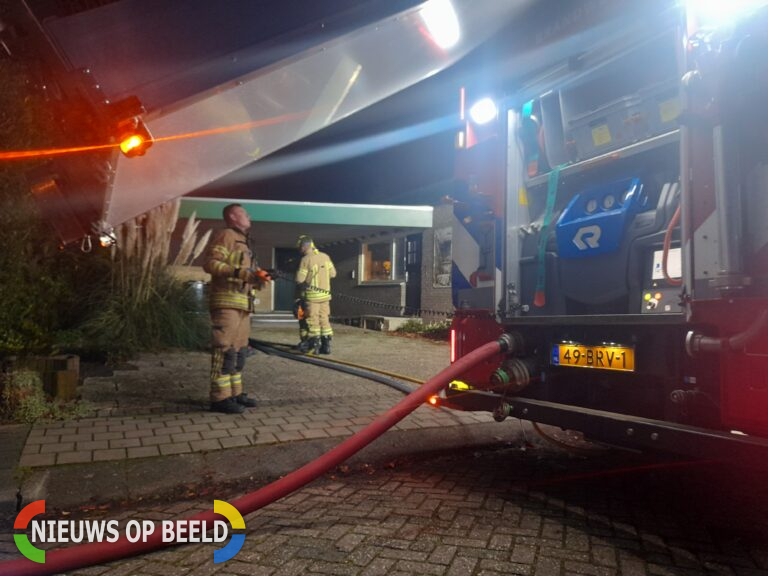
pixel 76 557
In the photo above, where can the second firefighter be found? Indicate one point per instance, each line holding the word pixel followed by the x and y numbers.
pixel 314 278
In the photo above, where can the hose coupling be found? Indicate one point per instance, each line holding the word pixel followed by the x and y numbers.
pixel 502 411
pixel 511 342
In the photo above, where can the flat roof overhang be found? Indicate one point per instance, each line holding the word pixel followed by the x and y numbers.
pixel 279 223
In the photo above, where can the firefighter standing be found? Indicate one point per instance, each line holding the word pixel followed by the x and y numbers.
pixel 314 277
pixel 234 277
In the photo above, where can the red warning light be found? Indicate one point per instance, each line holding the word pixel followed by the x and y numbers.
pixel 131 143
pixel 134 137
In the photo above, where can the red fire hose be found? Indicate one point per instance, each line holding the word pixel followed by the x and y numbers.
pixel 75 557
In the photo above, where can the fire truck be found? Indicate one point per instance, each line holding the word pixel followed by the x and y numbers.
pixel 616 225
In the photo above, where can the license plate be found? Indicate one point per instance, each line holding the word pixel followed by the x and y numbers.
pixel 620 358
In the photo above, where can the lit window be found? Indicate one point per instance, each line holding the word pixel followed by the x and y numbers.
pixel 380 261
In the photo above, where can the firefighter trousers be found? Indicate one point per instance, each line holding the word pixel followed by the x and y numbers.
pixel 231 329
pixel 318 319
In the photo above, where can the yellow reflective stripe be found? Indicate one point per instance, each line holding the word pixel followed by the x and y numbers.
pixel 236 258
pixel 223 381
pixel 318 296
pixel 301 275
pixel 217 361
pixel 229 300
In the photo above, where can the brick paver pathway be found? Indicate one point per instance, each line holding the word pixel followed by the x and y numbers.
pixel 506 511
pixel 118 438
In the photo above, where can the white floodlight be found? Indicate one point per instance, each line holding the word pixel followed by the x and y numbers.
pixel 483 111
pixel 714 13
pixel 441 22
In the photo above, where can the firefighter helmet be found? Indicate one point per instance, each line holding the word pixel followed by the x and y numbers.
pixel 304 239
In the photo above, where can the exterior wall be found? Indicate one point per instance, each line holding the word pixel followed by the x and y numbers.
pixel 434 298
pixel 346 258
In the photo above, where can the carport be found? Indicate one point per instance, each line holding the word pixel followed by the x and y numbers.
pixel 360 238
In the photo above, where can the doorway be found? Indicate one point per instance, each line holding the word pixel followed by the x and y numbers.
pixel 287 262
pixel 412 274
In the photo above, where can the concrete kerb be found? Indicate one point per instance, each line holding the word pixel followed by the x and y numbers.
pixel 241 468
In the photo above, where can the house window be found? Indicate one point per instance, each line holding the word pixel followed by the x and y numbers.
pixel 380 261
pixel 441 277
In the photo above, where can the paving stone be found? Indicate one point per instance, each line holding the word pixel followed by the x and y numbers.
pixel 265 438
pixel 125 443
pixel 196 428
pixel 176 448
pixel 140 433
pixel 37 460
pixel 309 434
pixel 74 457
pixel 155 440
pixel 462 566
pixel 235 441
pixel 201 445
pixel 107 436
pixel 143 452
pixel 113 454
pixel 213 434
pixel 288 436
pixel 61 447
pixel 76 438
pixel 185 437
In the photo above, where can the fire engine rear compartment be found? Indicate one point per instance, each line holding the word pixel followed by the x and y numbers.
pixel 592 187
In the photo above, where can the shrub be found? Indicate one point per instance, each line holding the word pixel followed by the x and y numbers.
pixel 30 288
pixel 167 318
pixel 23 400
pixel 435 330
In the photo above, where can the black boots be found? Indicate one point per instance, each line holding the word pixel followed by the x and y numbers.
pixel 310 345
pixel 316 345
pixel 244 401
pixel 227 406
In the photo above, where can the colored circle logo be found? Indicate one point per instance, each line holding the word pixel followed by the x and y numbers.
pixel 22 541
pixel 236 520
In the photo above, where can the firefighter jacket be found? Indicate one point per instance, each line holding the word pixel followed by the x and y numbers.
pixel 315 271
pixel 229 253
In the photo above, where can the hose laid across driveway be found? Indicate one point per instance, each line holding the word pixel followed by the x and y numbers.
pixel 75 557
pixel 289 348
pixel 370 374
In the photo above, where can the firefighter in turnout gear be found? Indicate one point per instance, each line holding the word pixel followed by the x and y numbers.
pixel 314 277
pixel 234 277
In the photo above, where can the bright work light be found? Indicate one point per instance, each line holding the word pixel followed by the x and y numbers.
pixel 442 23
pixel 713 13
pixel 483 111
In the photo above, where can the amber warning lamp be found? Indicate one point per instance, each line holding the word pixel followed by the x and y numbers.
pixel 134 137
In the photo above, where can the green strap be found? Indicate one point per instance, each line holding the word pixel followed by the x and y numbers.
pixel 541 276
